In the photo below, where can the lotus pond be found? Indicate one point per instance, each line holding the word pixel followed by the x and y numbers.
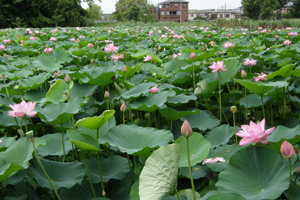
pixel 149 113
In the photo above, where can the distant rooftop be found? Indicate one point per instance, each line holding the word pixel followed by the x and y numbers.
pixel 174 1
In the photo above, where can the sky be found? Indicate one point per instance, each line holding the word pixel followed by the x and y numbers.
pixel 108 6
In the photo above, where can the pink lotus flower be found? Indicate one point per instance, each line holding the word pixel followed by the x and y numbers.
pixel 288 28
pixel 151 33
pixel 218 66
pixel 212 43
pixel 110 48
pixel 48 50
pixel 261 77
pixel 228 44
pixel 53 39
pixel 22 109
pixel 193 55
pixel 116 57
pixel 6 41
pixel 250 62
pixel 254 133
pixel 276 36
pixel 293 34
pixel 90 45
pixel 2 46
pixel 1 141
pixel 148 58
pixel 163 36
pixel 287 150
pixel 213 160
pixel 72 40
pixel 33 38
pixel 287 42
pixel 229 35
pixel 154 89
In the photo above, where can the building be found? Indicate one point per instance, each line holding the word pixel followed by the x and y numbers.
pixel 211 14
pixel 173 10
pixel 106 16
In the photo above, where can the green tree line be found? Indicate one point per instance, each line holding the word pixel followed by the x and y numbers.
pixel 269 9
pixel 50 13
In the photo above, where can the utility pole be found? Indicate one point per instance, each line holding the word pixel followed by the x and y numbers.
pixel 180 11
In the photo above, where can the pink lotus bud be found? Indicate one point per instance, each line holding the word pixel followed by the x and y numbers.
pixel 132 44
pixel 159 47
pixel 124 70
pixel 186 129
pixel 55 75
pixel 229 35
pixel 123 107
pixel 106 95
pixel 103 193
pixel 58 72
pixel 287 150
pixel 193 55
pixel 4 55
pixel 243 74
pixel 276 36
pixel 67 78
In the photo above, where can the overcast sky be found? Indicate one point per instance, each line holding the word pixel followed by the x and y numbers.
pixel 108 6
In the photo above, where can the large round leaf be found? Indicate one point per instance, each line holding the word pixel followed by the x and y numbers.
pixel 173 115
pixel 158 177
pixel 137 90
pixel 83 141
pixel 56 93
pixel 33 82
pixel 136 140
pixel 54 145
pixel 97 121
pixel 226 196
pixel 258 88
pixel 255 173
pixel 232 66
pixel 202 121
pixel 47 63
pixel 220 135
pixel 198 146
pixel 112 167
pixel 62 174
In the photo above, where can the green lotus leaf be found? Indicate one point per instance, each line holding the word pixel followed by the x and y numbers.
pixel 61 56
pixel 5 101
pixel 137 91
pixel 266 174
pixel 63 111
pixel 33 82
pixel 46 62
pixel 53 146
pixel 199 149
pixel 113 167
pixel 136 140
pixel 173 115
pixel 56 92
pixel 181 99
pixel 21 191
pixel 258 88
pixel 20 152
pixel 162 165
pixel 134 191
pixel 253 101
pixel 151 68
pixel 83 90
pixel 171 66
pixel 21 62
pixel 7 121
pixel 226 196
pixel 152 103
pixel 7 169
pixel 180 78
pixel 6 142
pixel 220 135
pixel 130 70
pixel 62 174
pixel 232 65
pixel 82 141
pixel 189 193
pixel 202 121
pixel 17 75
pixel 97 121
pixel 285 72
pixel 140 54
pixel 155 58
pixel 198 171
pixel 283 133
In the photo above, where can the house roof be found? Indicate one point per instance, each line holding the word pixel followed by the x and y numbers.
pixel 173 1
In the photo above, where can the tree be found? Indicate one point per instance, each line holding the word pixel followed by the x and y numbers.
pixel 134 13
pixel 94 12
pixel 268 9
pixel 124 7
pixel 252 8
pixel 295 12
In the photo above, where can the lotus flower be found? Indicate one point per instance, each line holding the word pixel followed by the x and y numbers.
pixel 72 40
pixel 116 57
pixel 261 77
pixel 228 44
pixel 22 109
pixel 154 89
pixel 2 46
pixel 148 58
pixel 110 48
pixel 90 45
pixel 218 66
pixel 254 133
pixel 53 39
pixel 287 42
pixel 250 62
pixel 213 160
pixel 48 50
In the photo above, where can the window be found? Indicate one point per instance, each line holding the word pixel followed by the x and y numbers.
pixel 178 13
pixel 192 15
pixel 221 15
pixel 167 13
pixel 227 16
pixel 162 13
pixel 175 4
pixel 184 5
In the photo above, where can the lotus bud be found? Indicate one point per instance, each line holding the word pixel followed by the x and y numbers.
pixel 4 55
pixel 55 75
pixel 243 74
pixel 159 47
pixel 193 56
pixel 3 76
pixel 16 87
pixel 186 129
pixel 154 74
pixel 287 150
pixel 198 43
pixel 58 72
pixel 103 193
pixel 123 107
pixel 67 78
pixel 233 109
pixel 92 61
pixel 29 134
pixel 124 70
pixel 147 115
pixel 276 36
pixel 106 95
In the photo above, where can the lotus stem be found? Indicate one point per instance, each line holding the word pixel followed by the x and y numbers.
pixel 25 125
pixel 21 131
pixel 63 143
pixel 177 194
pixel 131 173
pixel 262 105
pixel 87 172
pixel 220 100
pixel 102 185
pixel 190 168
pixel 194 84
pixel 284 103
pixel 6 88
pixel 236 139
pixel 290 174
pixel 37 157
pixel 294 187
pixel 246 106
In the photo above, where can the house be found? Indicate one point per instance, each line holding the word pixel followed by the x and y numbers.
pixel 106 16
pixel 173 10
pixel 215 14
